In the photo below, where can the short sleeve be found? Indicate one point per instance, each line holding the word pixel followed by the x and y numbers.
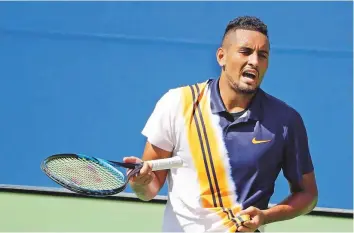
pixel 159 128
pixel 297 157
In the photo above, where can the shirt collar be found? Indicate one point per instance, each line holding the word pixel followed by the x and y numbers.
pixel 217 105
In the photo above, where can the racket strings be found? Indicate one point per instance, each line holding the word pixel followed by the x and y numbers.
pixel 85 174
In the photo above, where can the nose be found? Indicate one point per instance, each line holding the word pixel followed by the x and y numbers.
pixel 253 59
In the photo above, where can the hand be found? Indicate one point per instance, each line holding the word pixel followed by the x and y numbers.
pixel 257 219
pixel 145 176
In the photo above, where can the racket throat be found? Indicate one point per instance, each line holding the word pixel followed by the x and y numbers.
pixel 127 165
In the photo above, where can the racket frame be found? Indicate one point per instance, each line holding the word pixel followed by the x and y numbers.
pixel 111 165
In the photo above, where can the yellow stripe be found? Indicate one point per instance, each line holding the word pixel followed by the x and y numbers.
pixel 215 161
pixel 215 152
pixel 189 113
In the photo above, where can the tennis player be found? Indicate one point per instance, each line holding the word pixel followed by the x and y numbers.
pixel 234 138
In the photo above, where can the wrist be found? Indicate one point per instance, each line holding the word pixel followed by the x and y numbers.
pixel 265 216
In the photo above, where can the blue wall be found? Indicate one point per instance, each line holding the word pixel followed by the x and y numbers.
pixel 84 77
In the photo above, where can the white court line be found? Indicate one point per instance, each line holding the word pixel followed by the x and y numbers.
pixel 133 196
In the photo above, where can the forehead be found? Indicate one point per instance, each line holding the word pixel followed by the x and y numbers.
pixel 248 38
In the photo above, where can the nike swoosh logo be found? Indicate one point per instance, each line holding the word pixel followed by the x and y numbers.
pixel 254 141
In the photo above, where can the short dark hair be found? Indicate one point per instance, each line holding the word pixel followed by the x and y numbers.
pixel 247 23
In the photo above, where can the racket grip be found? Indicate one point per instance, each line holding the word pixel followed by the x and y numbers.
pixel 164 164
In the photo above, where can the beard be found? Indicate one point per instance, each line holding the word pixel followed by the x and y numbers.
pixel 240 89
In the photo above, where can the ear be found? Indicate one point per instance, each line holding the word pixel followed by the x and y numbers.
pixel 221 56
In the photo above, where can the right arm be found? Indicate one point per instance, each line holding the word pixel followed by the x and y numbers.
pixel 160 134
pixel 147 183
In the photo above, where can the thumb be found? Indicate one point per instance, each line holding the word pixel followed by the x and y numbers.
pixel 249 211
pixel 246 214
pixel 131 159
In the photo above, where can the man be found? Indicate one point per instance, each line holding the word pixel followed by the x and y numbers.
pixel 234 138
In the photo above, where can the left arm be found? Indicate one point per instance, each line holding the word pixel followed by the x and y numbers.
pixel 302 201
pixel 299 171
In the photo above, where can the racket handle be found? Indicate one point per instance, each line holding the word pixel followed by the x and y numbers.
pixel 165 164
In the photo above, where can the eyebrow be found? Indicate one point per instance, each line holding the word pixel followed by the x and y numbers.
pixel 264 51
pixel 261 51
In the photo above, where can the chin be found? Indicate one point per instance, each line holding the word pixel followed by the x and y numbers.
pixel 243 88
pixel 246 90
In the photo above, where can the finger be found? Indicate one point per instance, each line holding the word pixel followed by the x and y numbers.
pixel 138 179
pixel 243 217
pixel 133 176
pixel 145 170
pixel 249 211
pixel 132 179
pixel 148 180
pixel 250 224
pixel 131 159
pixel 248 214
pixel 245 229
pixel 142 177
pixel 129 171
pixel 143 180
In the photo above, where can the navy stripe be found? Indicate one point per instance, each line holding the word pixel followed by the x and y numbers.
pixel 240 218
pixel 196 105
pixel 233 218
pixel 230 216
pixel 209 152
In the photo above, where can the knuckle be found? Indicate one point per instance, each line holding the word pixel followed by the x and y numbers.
pixel 147 166
pixel 241 229
pixel 143 171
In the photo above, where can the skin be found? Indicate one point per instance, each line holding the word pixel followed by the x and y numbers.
pixel 147 183
pixel 241 50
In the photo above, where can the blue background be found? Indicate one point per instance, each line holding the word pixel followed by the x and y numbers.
pixel 85 76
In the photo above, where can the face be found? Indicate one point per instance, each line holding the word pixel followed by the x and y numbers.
pixel 244 58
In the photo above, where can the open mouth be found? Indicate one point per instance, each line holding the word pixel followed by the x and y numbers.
pixel 252 74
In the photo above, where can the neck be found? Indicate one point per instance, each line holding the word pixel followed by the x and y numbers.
pixel 233 101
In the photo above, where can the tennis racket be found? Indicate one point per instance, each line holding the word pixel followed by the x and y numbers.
pixel 93 176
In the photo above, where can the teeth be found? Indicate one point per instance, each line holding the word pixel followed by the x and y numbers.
pixel 250 75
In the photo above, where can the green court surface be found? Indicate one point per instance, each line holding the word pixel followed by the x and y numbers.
pixel 37 212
